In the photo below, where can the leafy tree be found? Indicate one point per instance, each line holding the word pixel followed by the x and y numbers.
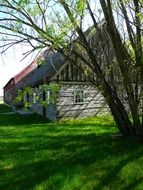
pixel 109 51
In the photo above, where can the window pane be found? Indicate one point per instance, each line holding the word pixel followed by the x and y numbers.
pixel 78 96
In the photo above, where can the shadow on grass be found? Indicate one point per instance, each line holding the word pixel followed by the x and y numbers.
pixel 4 108
pixel 134 184
pixel 79 155
pixel 55 160
pixel 17 119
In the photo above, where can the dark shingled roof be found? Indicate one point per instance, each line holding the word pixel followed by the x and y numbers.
pixel 52 63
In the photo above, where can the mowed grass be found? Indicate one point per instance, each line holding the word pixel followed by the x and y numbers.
pixel 5 109
pixel 83 154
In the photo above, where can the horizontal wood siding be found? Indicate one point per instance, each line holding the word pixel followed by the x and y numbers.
pixel 94 103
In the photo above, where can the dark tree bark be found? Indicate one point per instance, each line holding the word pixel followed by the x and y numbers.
pixel 123 58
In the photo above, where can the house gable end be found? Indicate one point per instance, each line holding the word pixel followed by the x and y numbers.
pixel 69 73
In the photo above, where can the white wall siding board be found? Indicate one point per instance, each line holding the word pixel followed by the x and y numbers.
pixel 94 102
pixel 82 113
pixel 78 107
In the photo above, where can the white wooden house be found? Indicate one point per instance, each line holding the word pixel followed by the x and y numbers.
pixel 76 97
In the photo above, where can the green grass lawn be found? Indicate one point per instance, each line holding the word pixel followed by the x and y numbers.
pixel 69 155
pixel 1 101
pixel 5 109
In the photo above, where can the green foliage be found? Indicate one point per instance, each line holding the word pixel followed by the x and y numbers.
pixel 27 105
pixel 80 4
pixel 28 90
pixel 44 87
pixel 21 94
pixel 44 104
pixel 40 61
pixel 24 2
pixel 53 89
pixel 19 97
pixel 140 16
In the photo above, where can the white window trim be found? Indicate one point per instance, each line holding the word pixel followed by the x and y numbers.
pixel 48 97
pixel 75 91
pixel 34 97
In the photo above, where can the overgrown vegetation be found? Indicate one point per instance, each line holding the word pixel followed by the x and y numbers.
pixel 52 88
pixel 84 154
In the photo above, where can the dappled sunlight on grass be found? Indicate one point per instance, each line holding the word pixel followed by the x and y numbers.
pixel 82 154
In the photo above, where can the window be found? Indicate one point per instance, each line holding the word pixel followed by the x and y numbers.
pixel 26 97
pixel 48 97
pixel 34 97
pixel 79 97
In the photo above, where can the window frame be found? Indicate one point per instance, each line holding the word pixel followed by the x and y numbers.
pixel 47 96
pixel 75 98
pixel 34 97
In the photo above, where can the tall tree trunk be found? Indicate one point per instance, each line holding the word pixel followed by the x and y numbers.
pixel 118 111
pixel 123 58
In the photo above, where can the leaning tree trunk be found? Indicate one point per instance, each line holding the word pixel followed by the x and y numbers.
pixel 117 108
pixel 118 111
pixel 123 59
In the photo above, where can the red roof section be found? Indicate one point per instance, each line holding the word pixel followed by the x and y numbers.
pixel 11 83
pixel 25 71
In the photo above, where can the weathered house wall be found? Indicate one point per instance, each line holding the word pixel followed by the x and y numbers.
pixel 65 106
pixel 50 110
pixel 71 79
pixel 9 91
pixel 93 103
pixel 16 83
pixel 8 96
